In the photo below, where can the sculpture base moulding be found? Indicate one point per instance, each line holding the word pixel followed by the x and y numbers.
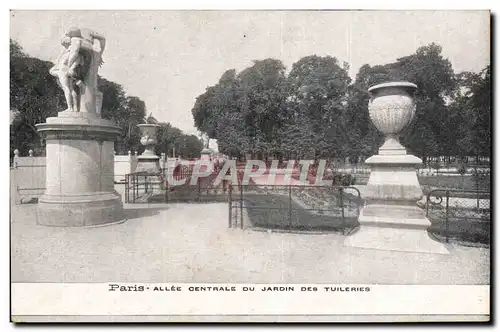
pixel 93 209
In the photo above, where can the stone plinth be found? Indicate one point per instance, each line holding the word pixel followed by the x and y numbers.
pixel 391 219
pixel 80 171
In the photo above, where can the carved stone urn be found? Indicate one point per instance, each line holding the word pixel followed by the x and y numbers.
pixel 391 218
pixel 149 138
pixel 392 108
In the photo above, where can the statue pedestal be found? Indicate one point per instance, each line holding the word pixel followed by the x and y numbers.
pixel 391 219
pixel 205 157
pixel 80 172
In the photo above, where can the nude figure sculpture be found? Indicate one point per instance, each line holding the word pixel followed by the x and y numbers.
pixel 76 67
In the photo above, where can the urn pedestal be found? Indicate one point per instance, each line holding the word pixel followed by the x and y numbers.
pixel 148 163
pixel 80 171
pixel 391 219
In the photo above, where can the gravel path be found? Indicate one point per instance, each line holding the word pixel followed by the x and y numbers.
pixel 191 243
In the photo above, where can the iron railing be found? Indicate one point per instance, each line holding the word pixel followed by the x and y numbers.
pixel 462 215
pixel 294 207
pixel 142 187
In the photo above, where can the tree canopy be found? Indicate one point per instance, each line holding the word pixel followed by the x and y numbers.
pixel 317 111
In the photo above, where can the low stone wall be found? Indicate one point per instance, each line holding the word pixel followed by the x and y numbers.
pixel 28 175
pixel 124 165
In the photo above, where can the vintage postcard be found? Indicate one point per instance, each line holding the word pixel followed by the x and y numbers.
pixel 250 166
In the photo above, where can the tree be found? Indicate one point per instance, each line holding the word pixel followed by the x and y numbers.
pixel 261 105
pixel 242 111
pixel 317 91
pixel 171 138
pixel 34 96
pixel 471 110
pixel 434 76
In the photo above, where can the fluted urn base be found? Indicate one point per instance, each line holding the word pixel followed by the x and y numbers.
pixel 391 219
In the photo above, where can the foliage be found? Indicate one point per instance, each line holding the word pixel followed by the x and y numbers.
pixel 34 97
pixel 316 111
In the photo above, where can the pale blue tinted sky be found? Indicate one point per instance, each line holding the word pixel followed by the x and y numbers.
pixel 168 58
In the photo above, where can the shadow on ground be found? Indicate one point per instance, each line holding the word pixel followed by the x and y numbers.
pixel 136 213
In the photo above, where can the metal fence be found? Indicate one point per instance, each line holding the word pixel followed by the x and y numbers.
pixel 459 215
pixel 143 187
pixel 294 207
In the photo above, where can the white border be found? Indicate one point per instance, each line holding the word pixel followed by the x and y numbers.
pixel 190 4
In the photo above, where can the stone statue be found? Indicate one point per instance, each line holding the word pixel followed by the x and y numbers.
pixel 77 66
pixel 205 139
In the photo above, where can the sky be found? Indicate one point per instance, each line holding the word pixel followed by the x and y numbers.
pixel 168 58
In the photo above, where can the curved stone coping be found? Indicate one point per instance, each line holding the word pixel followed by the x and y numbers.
pixel 88 123
pixel 75 127
pixel 91 197
pixel 120 221
pixel 406 159
pixel 393 85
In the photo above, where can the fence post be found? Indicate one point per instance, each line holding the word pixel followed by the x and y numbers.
pixel 427 204
pixel 477 189
pixel 446 214
pixel 126 187
pixel 165 178
pixel 133 188
pixel 230 199
pixel 199 189
pixel 241 206
pixel 341 190
pixel 290 205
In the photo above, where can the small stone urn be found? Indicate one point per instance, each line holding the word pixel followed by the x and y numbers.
pixel 148 138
